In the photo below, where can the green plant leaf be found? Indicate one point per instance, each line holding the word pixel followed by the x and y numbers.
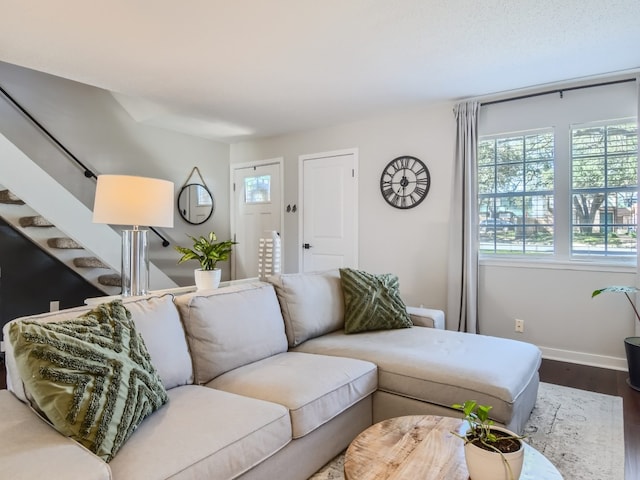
pixel 483 412
pixel 620 289
pixel 615 289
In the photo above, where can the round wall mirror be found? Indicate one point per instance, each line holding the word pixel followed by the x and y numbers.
pixel 195 203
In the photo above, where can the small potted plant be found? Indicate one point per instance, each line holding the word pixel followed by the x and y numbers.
pixel 631 344
pixel 208 252
pixel 491 452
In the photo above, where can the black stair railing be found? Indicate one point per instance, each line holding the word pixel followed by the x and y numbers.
pixel 87 171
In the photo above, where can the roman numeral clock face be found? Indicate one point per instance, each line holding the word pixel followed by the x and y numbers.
pixel 405 182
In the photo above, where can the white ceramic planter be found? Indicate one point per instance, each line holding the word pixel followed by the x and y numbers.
pixel 207 279
pixel 485 465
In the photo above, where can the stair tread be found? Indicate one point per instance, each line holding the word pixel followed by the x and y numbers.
pixel 110 280
pixel 8 197
pixel 35 221
pixel 63 243
pixel 89 262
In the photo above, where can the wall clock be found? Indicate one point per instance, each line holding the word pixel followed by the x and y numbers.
pixel 405 182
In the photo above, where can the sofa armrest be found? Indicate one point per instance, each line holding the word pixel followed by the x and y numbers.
pixel 30 448
pixel 426 317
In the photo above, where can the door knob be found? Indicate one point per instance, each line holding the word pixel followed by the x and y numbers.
pixel 306 246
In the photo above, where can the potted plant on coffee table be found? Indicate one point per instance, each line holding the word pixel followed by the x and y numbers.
pixel 491 452
pixel 631 344
pixel 208 252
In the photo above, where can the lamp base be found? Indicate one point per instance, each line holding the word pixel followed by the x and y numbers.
pixel 135 263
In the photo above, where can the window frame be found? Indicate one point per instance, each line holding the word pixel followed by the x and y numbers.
pixel 607 189
pixel 258 179
pixel 563 212
pixel 523 193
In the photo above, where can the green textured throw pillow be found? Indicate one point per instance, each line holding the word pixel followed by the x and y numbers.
pixel 91 376
pixel 372 302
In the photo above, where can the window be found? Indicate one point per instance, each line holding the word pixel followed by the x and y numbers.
pixel 604 189
pixel 257 189
pixel 519 200
pixel 515 193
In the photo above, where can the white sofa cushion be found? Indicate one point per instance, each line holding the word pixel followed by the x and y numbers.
pixel 441 366
pixel 315 388
pixel 30 448
pixel 158 322
pixel 231 327
pixel 312 303
pixel 203 433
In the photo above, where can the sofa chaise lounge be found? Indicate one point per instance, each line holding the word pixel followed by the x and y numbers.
pixel 263 383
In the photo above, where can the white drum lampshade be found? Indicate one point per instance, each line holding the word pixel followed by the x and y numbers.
pixel 135 201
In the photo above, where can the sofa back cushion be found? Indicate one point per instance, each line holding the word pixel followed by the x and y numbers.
pixel 312 304
pixel 231 327
pixel 157 321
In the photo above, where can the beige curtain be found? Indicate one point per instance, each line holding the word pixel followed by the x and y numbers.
pixel 462 299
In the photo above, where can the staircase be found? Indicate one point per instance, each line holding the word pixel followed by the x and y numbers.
pixel 34 192
pixel 51 239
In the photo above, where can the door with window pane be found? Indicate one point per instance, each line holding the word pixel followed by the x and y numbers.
pixel 257 209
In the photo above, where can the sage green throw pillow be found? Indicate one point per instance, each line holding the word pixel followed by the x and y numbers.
pixel 91 376
pixel 372 302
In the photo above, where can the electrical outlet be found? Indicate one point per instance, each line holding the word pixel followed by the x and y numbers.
pixel 54 305
pixel 519 325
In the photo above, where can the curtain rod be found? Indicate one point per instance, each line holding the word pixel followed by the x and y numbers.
pixel 558 90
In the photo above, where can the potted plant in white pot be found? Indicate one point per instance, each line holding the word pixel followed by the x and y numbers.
pixel 208 252
pixel 491 452
pixel 631 344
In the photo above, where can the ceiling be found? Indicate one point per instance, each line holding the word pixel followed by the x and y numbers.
pixel 239 69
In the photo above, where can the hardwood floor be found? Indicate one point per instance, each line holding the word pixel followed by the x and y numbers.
pixel 611 382
pixel 594 379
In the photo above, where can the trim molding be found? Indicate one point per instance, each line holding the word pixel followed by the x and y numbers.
pixel 581 358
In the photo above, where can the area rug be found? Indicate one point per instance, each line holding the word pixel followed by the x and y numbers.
pixel 580 432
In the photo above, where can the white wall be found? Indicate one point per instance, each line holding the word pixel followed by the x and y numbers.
pixel 411 243
pixel 560 315
pixel 97 130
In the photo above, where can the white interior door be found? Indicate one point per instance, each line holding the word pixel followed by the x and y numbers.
pixel 329 211
pixel 257 207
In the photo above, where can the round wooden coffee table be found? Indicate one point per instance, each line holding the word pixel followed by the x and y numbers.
pixel 422 446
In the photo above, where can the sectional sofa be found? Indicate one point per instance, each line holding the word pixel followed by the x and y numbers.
pixel 262 382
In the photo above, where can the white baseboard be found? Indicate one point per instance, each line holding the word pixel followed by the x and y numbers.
pixel 581 358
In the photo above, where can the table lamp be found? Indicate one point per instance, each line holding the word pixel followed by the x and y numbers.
pixel 135 201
